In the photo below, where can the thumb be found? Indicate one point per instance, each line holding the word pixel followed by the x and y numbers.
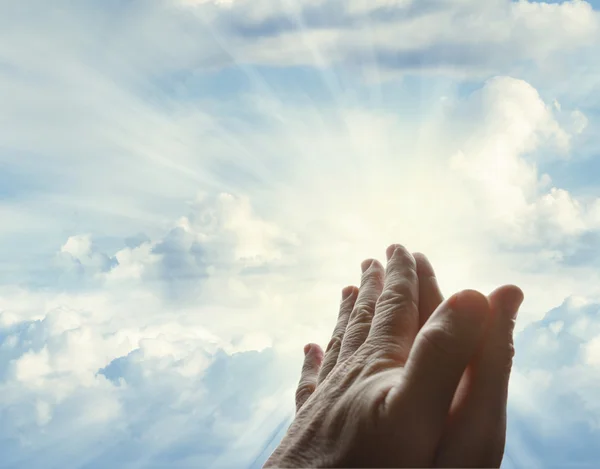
pixel 441 353
pixel 477 428
pixel 313 357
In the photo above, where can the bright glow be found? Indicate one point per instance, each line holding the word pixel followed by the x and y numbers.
pixel 186 186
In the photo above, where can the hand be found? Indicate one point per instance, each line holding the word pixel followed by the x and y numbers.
pixel 408 380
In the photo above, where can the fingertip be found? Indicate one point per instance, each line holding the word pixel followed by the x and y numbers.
pixel 364 266
pixel 389 252
pixel 444 348
pixel 471 303
pixel 424 267
pixel 313 358
pixel 508 298
pixel 313 350
pixel 513 298
pixel 348 291
pixel 371 268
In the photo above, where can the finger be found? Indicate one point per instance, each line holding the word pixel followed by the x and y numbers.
pixel 477 425
pixel 313 356
pixel 359 323
pixel 430 295
pixel 396 319
pixel 349 295
pixel 441 352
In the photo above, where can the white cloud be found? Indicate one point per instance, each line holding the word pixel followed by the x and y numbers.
pixel 592 352
pixel 554 387
pixel 162 324
pixel 465 36
pixel 482 154
pixel 80 255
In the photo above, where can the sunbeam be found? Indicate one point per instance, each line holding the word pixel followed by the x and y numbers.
pixel 187 185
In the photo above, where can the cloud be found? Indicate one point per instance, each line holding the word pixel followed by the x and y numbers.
pixel 220 246
pixel 80 257
pixel 404 36
pixel 188 193
pixel 482 152
pixel 160 392
pixel 197 325
pixel 553 391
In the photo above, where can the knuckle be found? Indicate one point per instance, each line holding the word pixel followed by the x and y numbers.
pixel 392 304
pixel 362 314
pixel 511 352
pixel 375 367
pixel 401 274
pixel 305 389
pixel 345 311
pixel 508 364
pixel 329 363
pixel 377 360
pixel 355 336
pixel 440 340
pixel 385 348
pixel 503 355
pixel 337 336
pixel 397 294
pixel 334 344
pixel 401 279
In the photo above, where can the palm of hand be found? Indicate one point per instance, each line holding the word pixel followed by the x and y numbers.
pixel 408 380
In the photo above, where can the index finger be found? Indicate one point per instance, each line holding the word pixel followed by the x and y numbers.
pixel 396 317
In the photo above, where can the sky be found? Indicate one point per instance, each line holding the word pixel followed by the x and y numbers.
pixel 187 185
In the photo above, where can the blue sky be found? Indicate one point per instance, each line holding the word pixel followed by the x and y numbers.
pixel 186 186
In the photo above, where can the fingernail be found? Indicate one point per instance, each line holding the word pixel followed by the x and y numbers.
pixel 366 264
pixel 346 292
pixel 307 348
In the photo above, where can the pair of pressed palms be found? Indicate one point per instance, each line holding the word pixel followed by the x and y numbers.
pixel 408 379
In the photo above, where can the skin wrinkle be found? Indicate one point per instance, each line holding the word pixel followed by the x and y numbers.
pixel 371 410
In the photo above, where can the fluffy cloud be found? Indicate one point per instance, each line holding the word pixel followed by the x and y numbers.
pixel 501 157
pixel 484 158
pixel 142 324
pixel 169 354
pixel 133 367
pixel 152 389
pixel 554 390
pixel 80 257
